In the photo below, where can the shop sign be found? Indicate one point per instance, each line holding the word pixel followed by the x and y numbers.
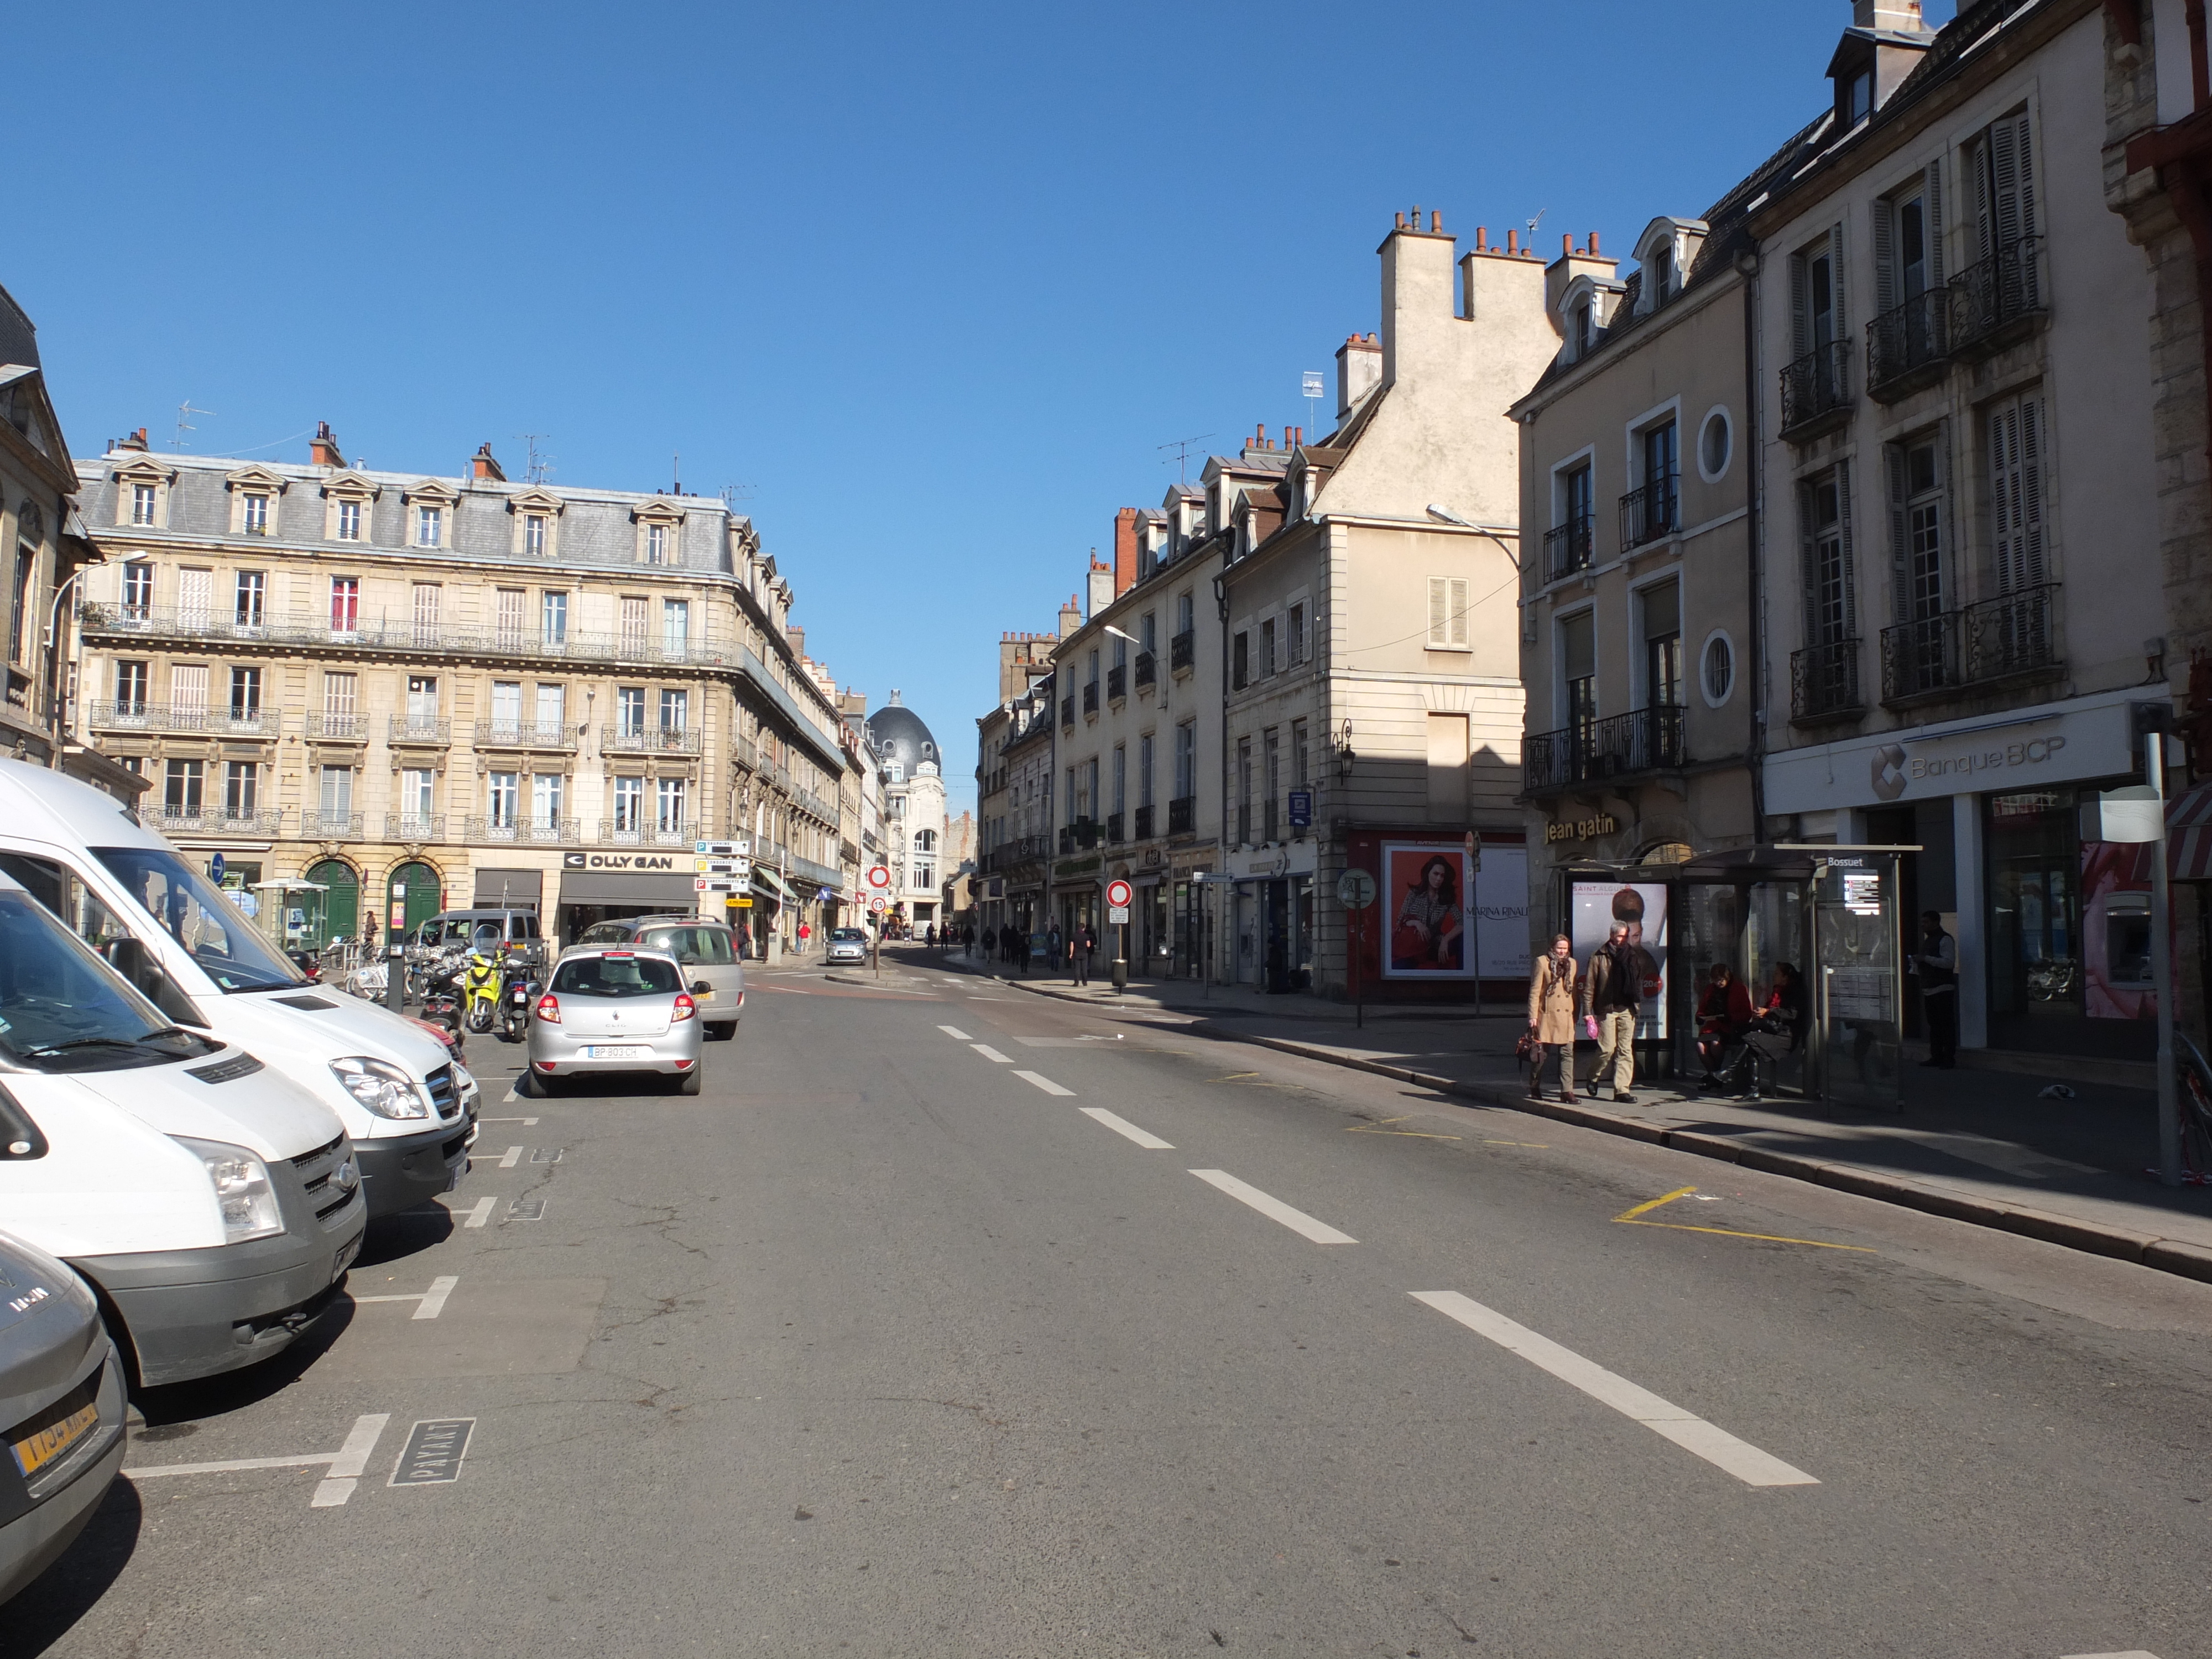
pixel 617 861
pixel 1559 830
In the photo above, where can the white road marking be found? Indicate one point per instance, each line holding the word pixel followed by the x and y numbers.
pixel 1121 1126
pixel 956 1033
pixel 1685 1429
pixel 506 1120
pixel 479 1213
pixel 427 1304
pixel 1274 1209
pixel 1042 1082
pixel 989 1053
pixel 511 1158
pixel 344 1465
pixel 2132 1653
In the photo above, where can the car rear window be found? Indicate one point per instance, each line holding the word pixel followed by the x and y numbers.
pixel 616 977
pixel 849 933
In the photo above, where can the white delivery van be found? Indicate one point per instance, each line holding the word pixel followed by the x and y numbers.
pixel 212 1205
pixel 148 908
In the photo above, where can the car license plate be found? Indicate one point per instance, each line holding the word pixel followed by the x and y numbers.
pixel 80 1415
pixel 702 996
pixel 347 1251
pixel 602 1051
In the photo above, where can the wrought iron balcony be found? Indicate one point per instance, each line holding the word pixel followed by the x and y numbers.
pixel 1567 548
pixel 1068 711
pixel 649 740
pixel 1148 670
pixel 1144 831
pixel 338 728
pixel 1909 346
pixel 1824 681
pixel 1651 511
pixel 642 835
pixel 315 824
pixel 527 831
pixel 192 821
pixel 1816 392
pixel 1182 650
pixel 1994 300
pixel 526 734
pixel 414 828
pixel 1113 820
pixel 1117 683
pixel 186 719
pixel 1182 814
pixel 408 729
pixel 1643 740
pixel 2012 636
pixel 1091 697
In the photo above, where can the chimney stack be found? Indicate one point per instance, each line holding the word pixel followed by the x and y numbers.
pixel 482 465
pixel 323 448
pixel 1125 551
pixel 1358 371
pixel 1071 616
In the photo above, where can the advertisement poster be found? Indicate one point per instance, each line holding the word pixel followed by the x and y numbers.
pixel 1501 910
pixel 1426 891
pixel 1642 907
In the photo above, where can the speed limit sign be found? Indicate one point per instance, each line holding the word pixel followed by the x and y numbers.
pixel 879 904
pixel 1118 894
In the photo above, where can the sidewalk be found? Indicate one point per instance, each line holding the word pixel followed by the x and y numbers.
pixel 1978 1145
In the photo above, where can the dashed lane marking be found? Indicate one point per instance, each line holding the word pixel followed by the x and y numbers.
pixel 1043 1083
pixel 1121 1126
pixel 1685 1429
pixel 511 1156
pixel 991 1053
pixel 956 1033
pixel 430 1303
pixel 2132 1653
pixel 1633 1217
pixel 341 1468
pixel 479 1212
pixel 1274 1208
pixel 526 1121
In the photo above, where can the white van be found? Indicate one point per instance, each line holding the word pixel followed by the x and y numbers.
pixel 210 1203
pixel 410 1110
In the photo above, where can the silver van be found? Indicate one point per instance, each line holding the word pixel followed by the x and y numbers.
pixel 707 951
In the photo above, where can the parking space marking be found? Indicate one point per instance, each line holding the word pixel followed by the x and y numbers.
pixel 1121 1126
pixel 1042 1082
pixel 1685 1429
pixel 524 1120
pixel 526 1209
pixel 478 1213
pixel 1274 1209
pixel 2132 1653
pixel 430 1303
pixel 956 1033
pixel 343 1467
pixel 511 1158
pixel 434 1451
pixel 991 1053
pixel 546 1154
pixel 1633 1217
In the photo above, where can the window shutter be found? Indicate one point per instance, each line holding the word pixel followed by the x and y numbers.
pixel 1808 565
pixel 1457 598
pixel 2030 492
pixel 1850 601
pixel 2004 505
pixel 1934 215
pixel 1439 611
pixel 1836 262
pixel 1885 240
pixel 1978 163
pixel 1900 536
pixel 1947 577
pixel 1801 309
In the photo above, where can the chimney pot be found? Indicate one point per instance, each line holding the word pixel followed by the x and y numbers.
pixel 1566 245
pixel 1592 245
pixel 1401 219
pixel 1480 231
pixel 1513 241
pixel 1435 220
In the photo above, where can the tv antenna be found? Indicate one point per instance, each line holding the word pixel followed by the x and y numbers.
pixel 538 465
pixel 676 472
pixel 1183 446
pixel 732 494
pixel 1533 222
pixel 184 412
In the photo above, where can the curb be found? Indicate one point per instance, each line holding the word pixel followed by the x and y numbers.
pixel 2168 1255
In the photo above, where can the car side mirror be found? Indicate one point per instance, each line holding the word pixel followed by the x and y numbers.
pixel 700 986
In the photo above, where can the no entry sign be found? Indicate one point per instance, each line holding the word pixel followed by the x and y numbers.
pixel 1118 894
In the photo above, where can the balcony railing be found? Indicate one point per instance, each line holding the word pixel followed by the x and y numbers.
pixel 407 728
pixel 1909 346
pixel 1650 511
pixel 1091 697
pixel 1117 683
pixel 1824 681
pixel 123 714
pixel 1068 711
pixel 1921 658
pixel 406 637
pixel 649 740
pixel 1182 650
pixel 1816 391
pixel 1992 295
pixel 1643 740
pixel 315 824
pixel 1182 814
pixel 413 828
pixel 526 831
pixel 526 734
pixel 1144 831
pixel 1567 548
pixel 338 728
pixel 646 834
pixel 183 820
pixel 1148 670
pixel 1114 821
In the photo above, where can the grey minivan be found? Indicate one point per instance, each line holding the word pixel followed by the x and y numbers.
pixel 706 949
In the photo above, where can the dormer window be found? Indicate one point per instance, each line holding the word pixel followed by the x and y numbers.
pixel 656 544
pixel 143 497
pixel 1858 97
pixel 1584 333
pixel 348 524
pixel 533 534
pixel 1662 275
pixel 253 513
pixel 429 526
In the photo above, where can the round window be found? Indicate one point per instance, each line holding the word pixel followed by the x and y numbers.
pixel 1717 670
pixel 1715 443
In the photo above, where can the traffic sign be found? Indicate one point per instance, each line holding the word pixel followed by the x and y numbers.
pixel 724 849
pixel 215 869
pixel 715 884
pixel 879 877
pixel 1117 915
pixel 1355 890
pixel 1118 895
pixel 879 904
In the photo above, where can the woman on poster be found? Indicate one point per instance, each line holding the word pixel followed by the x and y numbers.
pixel 1429 931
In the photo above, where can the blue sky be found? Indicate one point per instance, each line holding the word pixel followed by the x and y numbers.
pixel 931 286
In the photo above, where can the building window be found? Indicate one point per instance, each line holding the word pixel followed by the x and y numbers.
pixel 656 544
pixel 1583 329
pixel 552 710
pixel 188 690
pixel 1268 664
pixel 553 613
pixel 1662 645
pixel 506 709
pixel 675 628
pixel 19 625
pixel 429 525
pixel 427 607
pixel 1815 297
pixel 2015 427
pixel 1244 789
pixel 629 711
pixel 632 625
pixel 547 793
pixel 1185 613
pixel 241 789
pixel 1578 676
pixel 1297 634
pixel 1271 748
pixel 341 696
pixel 246 694
pixel 1297 754
pixel 349 520
pixel 629 805
pixel 1120 778
pixel 421 700
pixel 181 788
pixel 1716 445
pixel 1659 274
pixel 1240 661
pixel 675 711
pixel 137 590
pixel 1916 527
pixel 251 601
pixel 142 503
pixel 1447 613
pixel 253 513
pixel 503 798
pixel 345 605
pixel 1145 770
pixel 1148 635
pixel 195 598
pixel 533 534
pixel 336 795
pixel 130 679
pixel 1717 676
pixel 417 791
pixel 511 604
pixel 1186 760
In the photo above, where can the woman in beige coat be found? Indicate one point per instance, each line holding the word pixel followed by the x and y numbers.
pixel 1552 1016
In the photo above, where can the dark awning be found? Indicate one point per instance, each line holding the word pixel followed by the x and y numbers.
pixel 510 890
pixel 677 892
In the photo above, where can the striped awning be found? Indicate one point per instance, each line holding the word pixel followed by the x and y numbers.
pixel 775 883
pixel 2189 834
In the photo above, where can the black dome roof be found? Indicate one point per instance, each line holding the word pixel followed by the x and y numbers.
pixel 901 739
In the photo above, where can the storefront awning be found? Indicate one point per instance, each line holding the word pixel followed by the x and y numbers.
pixel 2189 834
pixel 676 892
pixel 770 882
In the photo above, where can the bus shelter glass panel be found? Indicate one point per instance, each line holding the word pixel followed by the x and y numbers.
pixel 1758 928
pixel 1857 995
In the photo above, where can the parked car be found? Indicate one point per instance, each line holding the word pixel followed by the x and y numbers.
pixel 489 931
pixel 62 1390
pixel 614 1009
pixel 848 944
pixel 409 1107
pixel 213 1203
pixel 706 951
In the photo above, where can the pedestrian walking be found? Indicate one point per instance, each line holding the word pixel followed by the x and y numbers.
pixel 986 941
pixel 1079 949
pixel 1936 966
pixel 1052 942
pixel 968 940
pixel 1613 998
pixel 1552 1017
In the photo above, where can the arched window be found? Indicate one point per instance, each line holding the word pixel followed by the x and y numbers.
pixel 924 841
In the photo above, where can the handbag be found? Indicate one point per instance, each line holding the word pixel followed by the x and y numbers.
pixel 1408 944
pixel 1525 1050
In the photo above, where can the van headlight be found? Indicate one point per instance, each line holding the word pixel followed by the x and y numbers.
pixel 381 1086
pixel 242 1189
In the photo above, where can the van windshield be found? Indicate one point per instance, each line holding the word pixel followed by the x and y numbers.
pixel 64 1010
pixel 201 918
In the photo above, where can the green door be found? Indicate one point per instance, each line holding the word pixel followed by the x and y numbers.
pixel 423 890
pixel 339 907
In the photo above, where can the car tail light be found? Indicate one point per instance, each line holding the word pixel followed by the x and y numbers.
pixel 686 1008
pixel 741 998
pixel 548 1009
pixel 682 1065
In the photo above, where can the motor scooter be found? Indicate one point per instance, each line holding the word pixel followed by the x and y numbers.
pixel 518 995
pixel 441 995
pixel 479 992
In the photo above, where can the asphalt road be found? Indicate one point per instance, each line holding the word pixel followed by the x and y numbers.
pixel 888 1345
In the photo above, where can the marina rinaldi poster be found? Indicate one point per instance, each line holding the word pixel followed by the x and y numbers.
pixel 1643 908
pixel 1435 909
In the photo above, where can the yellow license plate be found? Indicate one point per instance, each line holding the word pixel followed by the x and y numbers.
pixel 702 996
pixel 37 1449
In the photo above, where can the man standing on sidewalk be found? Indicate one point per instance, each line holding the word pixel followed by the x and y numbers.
pixel 1613 996
pixel 1937 965
pixel 1081 948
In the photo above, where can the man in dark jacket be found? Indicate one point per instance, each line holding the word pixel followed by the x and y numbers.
pixel 1079 949
pixel 1612 997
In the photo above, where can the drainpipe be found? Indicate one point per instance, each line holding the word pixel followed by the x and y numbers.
pixel 1754 473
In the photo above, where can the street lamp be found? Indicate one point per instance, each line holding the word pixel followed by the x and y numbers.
pixel 1119 634
pixel 1344 756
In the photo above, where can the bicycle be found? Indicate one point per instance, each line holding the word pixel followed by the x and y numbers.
pixel 2193 1091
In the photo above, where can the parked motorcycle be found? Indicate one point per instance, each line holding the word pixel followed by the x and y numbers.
pixel 442 995
pixel 518 995
pixel 480 992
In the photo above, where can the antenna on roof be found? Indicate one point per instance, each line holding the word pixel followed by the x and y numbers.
pixel 732 494
pixel 185 410
pixel 1183 446
pixel 538 465
pixel 676 471
pixel 1535 222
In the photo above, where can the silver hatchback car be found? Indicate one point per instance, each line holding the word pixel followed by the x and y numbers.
pixel 847 945
pixel 705 949
pixel 611 1008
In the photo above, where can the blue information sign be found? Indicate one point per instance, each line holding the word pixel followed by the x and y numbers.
pixel 1301 809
